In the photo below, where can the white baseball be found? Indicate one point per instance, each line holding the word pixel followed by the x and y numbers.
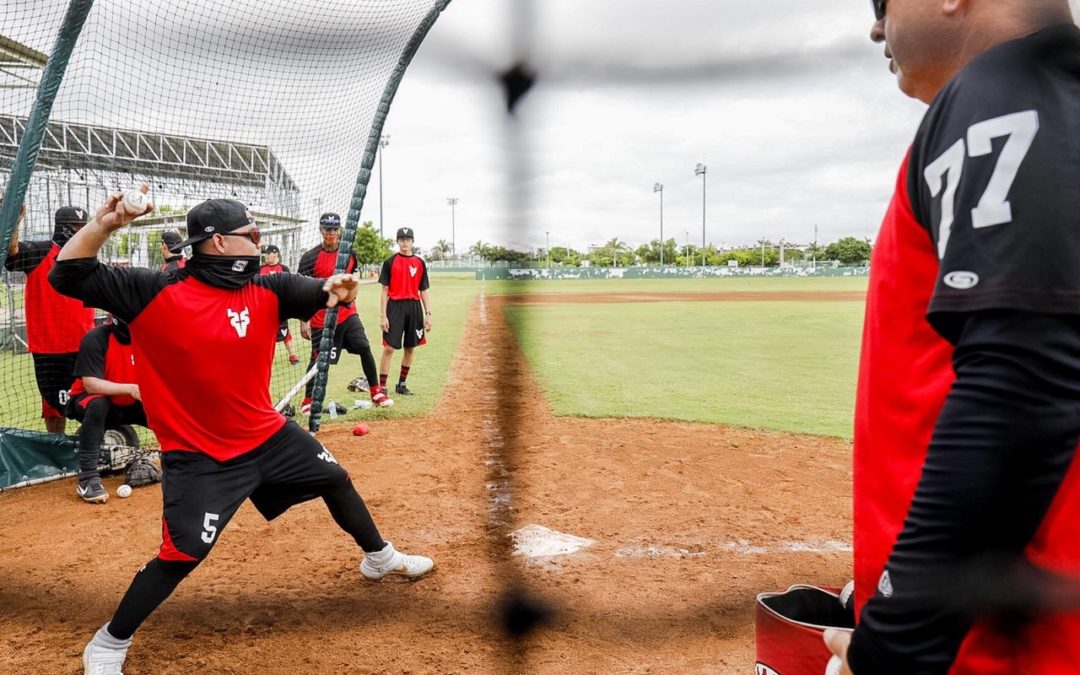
pixel 124 491
pixel 135 202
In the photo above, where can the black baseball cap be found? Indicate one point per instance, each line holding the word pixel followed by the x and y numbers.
pixel 171 238
pixel 272 249
pixel 71 215
pixel 214 216
pixel 329 221
pixel 404 233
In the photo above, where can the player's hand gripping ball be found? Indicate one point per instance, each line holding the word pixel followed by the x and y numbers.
pixel 135 202
pixel 124 491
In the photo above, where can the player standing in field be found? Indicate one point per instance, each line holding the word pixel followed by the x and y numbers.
pixel 968 408
pixel 406 310
pixel 349 335
pixel 171 239
pixel 273 266
pixel 104 395
pixel 204 341
pixel 55 325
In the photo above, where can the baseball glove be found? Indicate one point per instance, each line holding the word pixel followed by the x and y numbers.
pixel 141 472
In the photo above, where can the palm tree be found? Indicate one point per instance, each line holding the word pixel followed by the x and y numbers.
pixel 479 249
pixel 441 250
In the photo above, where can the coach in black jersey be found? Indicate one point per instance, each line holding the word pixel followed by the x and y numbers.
pixel 980 252
pixel 406 310
pixel 203 339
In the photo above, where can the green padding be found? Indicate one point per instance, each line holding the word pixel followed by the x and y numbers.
pixel 30 455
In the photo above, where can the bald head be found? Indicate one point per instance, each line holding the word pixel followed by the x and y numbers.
pixel 929 41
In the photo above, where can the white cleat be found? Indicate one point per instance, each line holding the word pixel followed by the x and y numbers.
pixel 389 561
pixel 101 659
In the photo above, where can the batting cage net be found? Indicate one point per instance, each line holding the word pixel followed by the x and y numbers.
pixel 273 104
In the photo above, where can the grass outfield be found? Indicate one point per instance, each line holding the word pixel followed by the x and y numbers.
pixel 717 285
pixel 780 365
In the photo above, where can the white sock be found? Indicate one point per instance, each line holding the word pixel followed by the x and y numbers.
pixel 103 638
pixel 383 557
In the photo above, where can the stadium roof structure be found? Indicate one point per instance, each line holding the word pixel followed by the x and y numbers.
pixel 20 66
pixel 73 146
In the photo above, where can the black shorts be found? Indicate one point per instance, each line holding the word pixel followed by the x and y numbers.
pixel 406 319
pixel 117 415
pixel 349 336
pixel 201 495
pixel 54 374
pixel 283 334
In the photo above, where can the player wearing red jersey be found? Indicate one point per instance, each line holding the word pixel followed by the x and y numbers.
pixel 273 266
pixel 406 309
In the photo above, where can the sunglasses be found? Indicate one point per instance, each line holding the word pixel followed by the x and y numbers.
pixel 252 234
pixel 879 8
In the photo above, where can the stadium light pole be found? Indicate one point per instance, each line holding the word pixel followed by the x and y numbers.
pixel 699 170
pixel 547 235
pixel 384 141
pixel 659 187
pixel 452 201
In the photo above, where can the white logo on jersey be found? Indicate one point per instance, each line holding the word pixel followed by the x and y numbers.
pixel 239 321
pixel 419 333
pixel 412 271
pixel 762 669
pixel 884 585
pixel 326 456
pixel 961 280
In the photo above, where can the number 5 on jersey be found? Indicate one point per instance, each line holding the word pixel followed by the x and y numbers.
pixel 943 174
pixel 209 529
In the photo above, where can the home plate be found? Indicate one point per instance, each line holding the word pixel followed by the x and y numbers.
pixel 537 541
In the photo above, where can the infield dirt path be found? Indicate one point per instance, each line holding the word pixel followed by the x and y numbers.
pixel 690 521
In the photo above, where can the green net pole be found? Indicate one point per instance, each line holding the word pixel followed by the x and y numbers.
pixel 318 392
pixel 26 157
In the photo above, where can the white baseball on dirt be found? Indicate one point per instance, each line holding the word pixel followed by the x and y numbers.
pixel 124 491
pixel 135 202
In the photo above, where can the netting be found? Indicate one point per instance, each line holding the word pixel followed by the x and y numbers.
pixel 269 103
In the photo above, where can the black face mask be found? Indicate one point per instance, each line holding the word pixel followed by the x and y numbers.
pixel 62 232
pixel 224 271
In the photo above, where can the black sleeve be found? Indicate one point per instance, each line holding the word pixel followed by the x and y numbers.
pixel 299 297
pixel 307 263
pixel 384 273
pixel 123 292
pixel 29 256
pixel 91 359
pixel 424 285
pixel 285 269
pixel 1003 443
pixel 994 180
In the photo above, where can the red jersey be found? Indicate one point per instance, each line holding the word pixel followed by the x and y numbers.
pixel 905 374
pixel 174 262
pixel 321 264
pixel 404 276
pixel 204 353
pixel 54 324
pixel 102 356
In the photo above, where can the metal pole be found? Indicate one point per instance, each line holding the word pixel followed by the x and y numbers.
pixel 547 234
pixel 452 201
pixel 700 170
pixel 659 187
pixel 384 141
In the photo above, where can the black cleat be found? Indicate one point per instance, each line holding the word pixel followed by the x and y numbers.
pixel 402 390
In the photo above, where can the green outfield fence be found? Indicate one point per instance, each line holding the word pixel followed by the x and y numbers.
pixel 528 273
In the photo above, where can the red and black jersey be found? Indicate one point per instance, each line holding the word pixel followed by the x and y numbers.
pixel 54 324
pixel 173 262
pixel 274 269
pixel 319 263
pixel 982 228
pixel 102 356
pixel 404 276
pixel 204 354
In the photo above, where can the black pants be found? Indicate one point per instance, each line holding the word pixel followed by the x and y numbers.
pixel 201 495
pixel 349 336
pixel 98 413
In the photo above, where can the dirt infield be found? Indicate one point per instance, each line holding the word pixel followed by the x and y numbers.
pixel 689 522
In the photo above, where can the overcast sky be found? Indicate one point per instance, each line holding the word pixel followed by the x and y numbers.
pixel 787 102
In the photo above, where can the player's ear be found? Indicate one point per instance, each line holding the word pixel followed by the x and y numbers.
pixel 953 7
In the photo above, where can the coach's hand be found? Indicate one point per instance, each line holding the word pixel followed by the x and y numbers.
pixel 384 324
pixel 838 642
pixel 112 215
pixel 341 288
pixel 305 330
